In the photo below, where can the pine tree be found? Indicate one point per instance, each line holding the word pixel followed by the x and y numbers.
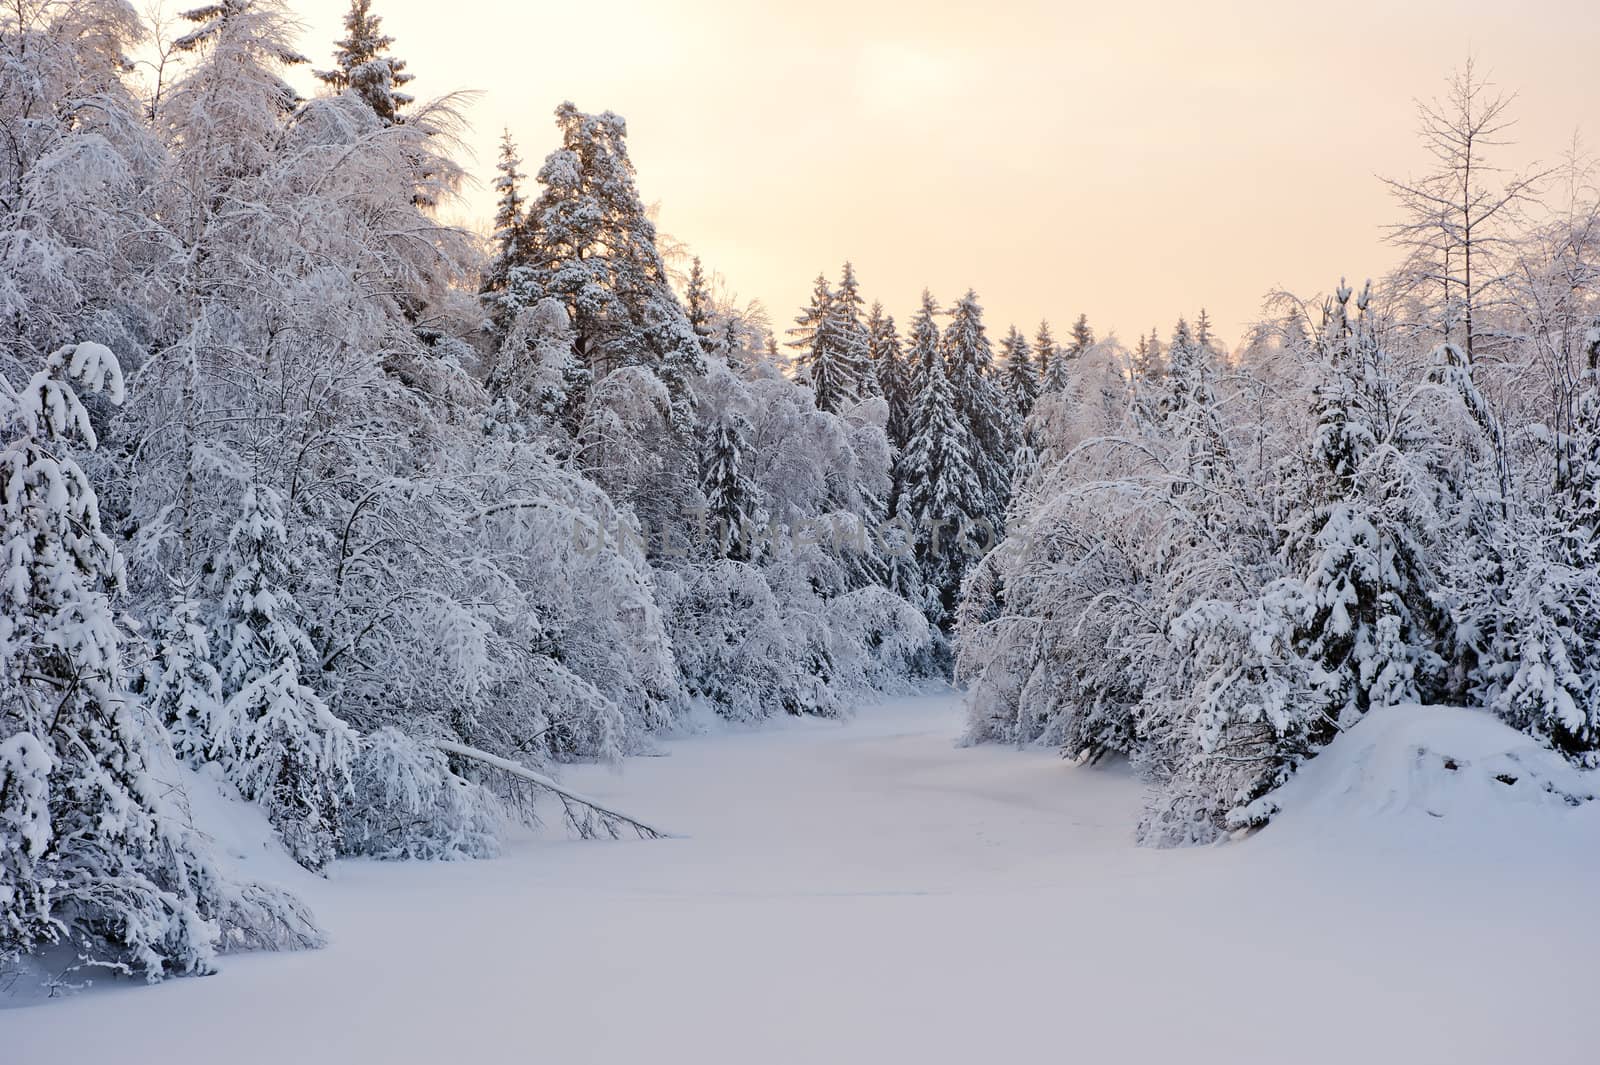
pixel 1021 379
pixel 87 850
pixel 361 63
pixel 894 376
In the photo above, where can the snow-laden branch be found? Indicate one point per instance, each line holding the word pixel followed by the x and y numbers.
pixel 587 816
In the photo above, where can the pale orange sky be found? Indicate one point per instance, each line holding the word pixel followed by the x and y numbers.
pixel 1131 160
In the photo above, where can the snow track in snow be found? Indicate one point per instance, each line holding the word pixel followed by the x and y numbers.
pixel 869 892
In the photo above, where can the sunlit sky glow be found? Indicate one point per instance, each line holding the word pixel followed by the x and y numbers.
pixel 1131 160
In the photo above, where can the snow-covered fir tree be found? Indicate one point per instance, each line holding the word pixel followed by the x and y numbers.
pixel 852 336
pixel 1363 536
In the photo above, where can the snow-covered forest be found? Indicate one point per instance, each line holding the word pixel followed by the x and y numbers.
pixel 384 527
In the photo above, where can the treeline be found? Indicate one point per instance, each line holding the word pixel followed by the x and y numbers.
pixel 1222 560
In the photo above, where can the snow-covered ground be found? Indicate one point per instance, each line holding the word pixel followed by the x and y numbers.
pixel 869 892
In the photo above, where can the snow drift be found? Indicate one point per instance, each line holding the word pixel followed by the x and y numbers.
pixel 1404 762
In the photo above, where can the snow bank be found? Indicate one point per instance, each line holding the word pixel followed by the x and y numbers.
pixel 1406 762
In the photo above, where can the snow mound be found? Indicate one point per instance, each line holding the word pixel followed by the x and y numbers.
pixel 1443 762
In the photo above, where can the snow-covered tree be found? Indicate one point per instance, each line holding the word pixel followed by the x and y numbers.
pixel 1524 600
pixel 697 303
pixel 943 491
pixel 851 335
pixel 362 62
pixel 1361 536
pixel 89 850
pixel 594 248
pixel 182 688
pixel 1045 350
pixel 894 376
pixel 275 737
pixel 980 405
pixel 1457 233
pixel 822 360
pixel 1021 380
pixel 511 238
pixel 732 502
pixel 406 803
pixel 535 377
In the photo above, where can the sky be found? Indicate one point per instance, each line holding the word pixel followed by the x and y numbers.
pixel 1131 161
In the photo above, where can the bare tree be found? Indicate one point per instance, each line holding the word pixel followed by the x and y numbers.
pixel 1456 231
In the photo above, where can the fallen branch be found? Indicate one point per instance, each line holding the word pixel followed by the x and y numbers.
pixel 588 818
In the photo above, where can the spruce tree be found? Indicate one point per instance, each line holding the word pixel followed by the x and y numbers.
pixel 1082 337
pixel 1358 536
pixel 822 358
pixel 1530 597
pixel 697 303
pixel 595 250
pixel 851 336
pixel 969 363
pixel 1057 375
pixel 1202 331
pixel 511 242
pixel 894 376
pixel 182 686
pixel 941 486
pixel 361 63
pixel 1044 347
pixel 732 506
pixel 1021 379
pixel 1147 358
